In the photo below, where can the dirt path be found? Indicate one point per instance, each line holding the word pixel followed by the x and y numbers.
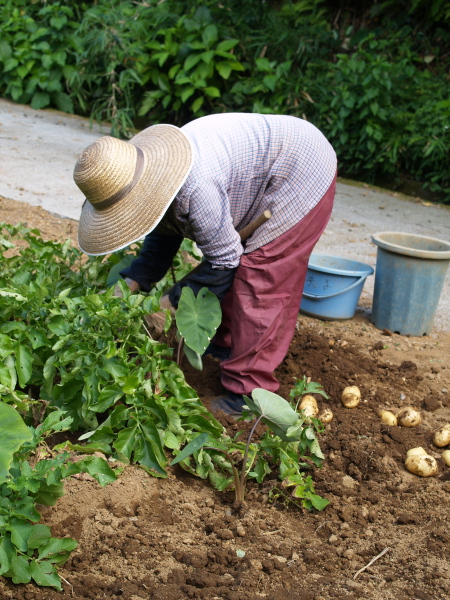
pixel 143 538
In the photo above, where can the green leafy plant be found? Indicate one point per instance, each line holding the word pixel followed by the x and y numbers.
pixel 292 437
pixel 79 360
pixel 305 386
pixel 30 475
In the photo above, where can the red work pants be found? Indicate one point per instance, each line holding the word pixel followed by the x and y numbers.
pixel 260 310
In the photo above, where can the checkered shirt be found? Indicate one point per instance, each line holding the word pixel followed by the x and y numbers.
pixel 243 165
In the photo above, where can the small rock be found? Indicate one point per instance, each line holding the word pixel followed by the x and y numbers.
pixel 256 564
pixel 240 530
pixel 333 539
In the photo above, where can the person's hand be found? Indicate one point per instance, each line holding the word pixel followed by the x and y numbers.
pixel 131 283
pixel 155 322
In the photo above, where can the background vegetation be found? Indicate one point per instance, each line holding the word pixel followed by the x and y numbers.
pixel 374 77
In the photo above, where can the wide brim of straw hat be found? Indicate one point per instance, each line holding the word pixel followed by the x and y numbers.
pixel 108 165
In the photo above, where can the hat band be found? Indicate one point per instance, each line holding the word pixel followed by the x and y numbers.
pixel 104 204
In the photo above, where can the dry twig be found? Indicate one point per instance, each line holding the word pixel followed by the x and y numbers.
pixel 371 562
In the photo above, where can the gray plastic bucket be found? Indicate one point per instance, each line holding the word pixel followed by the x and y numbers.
pixel 409 276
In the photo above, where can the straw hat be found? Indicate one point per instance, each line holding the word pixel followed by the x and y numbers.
pixel 129 186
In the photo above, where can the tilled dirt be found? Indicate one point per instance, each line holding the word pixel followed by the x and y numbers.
pixel 177 538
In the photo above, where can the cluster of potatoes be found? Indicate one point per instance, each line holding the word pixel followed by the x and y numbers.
pixel 418 461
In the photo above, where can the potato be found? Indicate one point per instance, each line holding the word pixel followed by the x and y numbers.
pixel 351 396
pixel 416 451
pixel 326 415
pixel 422 465
pixel 409 417
pixel 442 436
pixel 388 417
pixel 309 406
pixel 446 457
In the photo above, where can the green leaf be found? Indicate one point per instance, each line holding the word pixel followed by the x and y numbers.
pixel 39 536
pixel 6 553
pixel 48 494
pixel 318 502
pixel 44 573
pixel 20 532
pixel 98 468
pixel 24 362
pixel 125 442
pixel 187 93
pixel 57 550
pixel 192 447
pixel 63 101
pixel 277 412
pixel 226 45
pixel 113 275
pixel 196 106
pixel 198 318
pixel 20 571
pixel 109 395
pixel 59 325
pixel 13 433
pixel 224 69
pixel 194 358
pixel 40 100
pixel 131 384
pixel 144 454
pixel 209 35
pixel 191 61
pixel 212 92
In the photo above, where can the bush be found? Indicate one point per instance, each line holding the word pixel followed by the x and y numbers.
pixel 374 78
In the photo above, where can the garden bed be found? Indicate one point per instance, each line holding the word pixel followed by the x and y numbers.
pixel 169 539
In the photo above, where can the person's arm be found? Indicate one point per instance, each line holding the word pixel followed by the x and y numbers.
pixel 154 260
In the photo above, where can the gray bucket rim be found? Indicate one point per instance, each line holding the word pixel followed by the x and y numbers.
pixel 364 270
pixel 414 252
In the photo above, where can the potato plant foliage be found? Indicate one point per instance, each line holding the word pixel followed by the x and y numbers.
pixel 79 360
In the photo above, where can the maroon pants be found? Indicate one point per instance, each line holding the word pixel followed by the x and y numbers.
pixel 260 310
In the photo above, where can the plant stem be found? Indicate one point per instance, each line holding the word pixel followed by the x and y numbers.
pixel 244 463
pixel 180 350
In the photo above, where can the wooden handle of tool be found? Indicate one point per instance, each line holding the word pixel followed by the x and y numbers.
pixel 247 231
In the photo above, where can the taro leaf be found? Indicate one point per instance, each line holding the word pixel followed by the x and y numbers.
pixel 192 447
pixel 13 433
pixel 276 411
pixel 194 358
pixel 198 318
pixel 44 573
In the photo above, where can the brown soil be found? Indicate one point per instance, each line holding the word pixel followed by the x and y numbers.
pixel 143 538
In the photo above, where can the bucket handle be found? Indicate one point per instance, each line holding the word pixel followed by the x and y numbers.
pixel 315 296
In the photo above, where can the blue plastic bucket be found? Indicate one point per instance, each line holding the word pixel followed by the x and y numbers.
pixel 410 273
pixel 333 286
